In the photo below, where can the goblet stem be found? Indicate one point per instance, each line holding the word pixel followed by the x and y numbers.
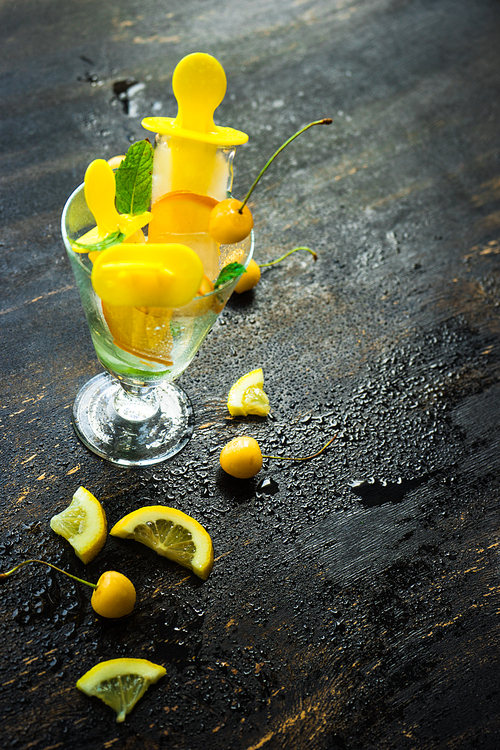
pixel 136 403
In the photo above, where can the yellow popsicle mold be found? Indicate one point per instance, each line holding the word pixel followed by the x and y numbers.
pixel 100 194
pixel 187 157
pixel 159 275
pixel 199 85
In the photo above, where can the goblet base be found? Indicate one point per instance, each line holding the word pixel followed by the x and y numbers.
pixel 133 441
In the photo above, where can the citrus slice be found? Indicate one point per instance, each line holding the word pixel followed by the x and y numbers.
pixel 142 331
pixel 182 216
pixel 180 212
pixel 83 523
pixel 171 533
pixel 120 683
pixel 247 396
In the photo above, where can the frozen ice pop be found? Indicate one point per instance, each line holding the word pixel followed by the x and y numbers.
pixel 192 168
pixel 159 275
pixel 186 147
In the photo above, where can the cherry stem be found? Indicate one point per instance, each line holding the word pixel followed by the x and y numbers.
pixel 303 458
pixel 43 562
pixel 302 247
pixel 324 121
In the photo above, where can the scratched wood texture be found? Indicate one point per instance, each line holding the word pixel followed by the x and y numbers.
pixel 354 600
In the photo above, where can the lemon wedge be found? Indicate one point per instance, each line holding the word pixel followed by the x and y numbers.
pixel 120 683
pixel 171 533
pixel 247 396
pixel 83 523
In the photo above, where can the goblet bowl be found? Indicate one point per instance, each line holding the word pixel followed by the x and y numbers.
pixel 133 414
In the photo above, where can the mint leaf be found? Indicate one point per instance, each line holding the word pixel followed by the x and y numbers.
pixel 134 178
pixel 229 272
pixel 112 239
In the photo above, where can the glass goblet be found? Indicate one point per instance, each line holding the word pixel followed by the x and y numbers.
pixel 133 414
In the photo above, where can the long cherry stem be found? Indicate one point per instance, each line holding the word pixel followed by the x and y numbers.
pixel 282 257
pixel 303 458
pixel 324 121
pixel 43 562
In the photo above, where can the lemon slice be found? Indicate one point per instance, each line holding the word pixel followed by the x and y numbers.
pixel 247 396
pixel 83 523
pixel 120 683
pixel 142 331
pixel 170 533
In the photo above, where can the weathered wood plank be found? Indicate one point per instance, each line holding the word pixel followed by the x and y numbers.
pixel 354 599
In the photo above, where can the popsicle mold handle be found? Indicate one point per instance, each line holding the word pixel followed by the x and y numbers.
pixel 199 85
pixel 100 193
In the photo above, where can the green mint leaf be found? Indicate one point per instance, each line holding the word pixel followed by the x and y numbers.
pixel 229 272
pixel 115 238
pixel 134 179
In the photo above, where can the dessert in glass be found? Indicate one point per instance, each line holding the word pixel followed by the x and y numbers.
pixel 151 278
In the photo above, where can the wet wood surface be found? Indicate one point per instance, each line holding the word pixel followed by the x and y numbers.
pixel 354 600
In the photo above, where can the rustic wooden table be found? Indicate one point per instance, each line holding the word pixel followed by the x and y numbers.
pixel 354 600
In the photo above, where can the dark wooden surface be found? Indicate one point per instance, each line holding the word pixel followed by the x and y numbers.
pixel 354 600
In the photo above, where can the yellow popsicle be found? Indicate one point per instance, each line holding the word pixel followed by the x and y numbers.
pixel 190 174
pixel 158 275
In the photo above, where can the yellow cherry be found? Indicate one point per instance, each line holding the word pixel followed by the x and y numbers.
pixel 249 279
pixel 241 457
pixel 114 596
pixel 230 222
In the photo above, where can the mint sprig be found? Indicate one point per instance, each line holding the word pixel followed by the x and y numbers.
pixel 228 273
pixel 134 179
pixel 114 238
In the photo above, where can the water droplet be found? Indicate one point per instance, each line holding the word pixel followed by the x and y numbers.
pixel 267 486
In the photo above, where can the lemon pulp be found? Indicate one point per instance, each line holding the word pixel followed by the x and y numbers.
pixel 170 533
pixel 120 683
pixel 247 396
pixel 83 524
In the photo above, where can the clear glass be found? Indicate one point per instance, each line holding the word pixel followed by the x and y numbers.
pixel 217 160
pixel 133 414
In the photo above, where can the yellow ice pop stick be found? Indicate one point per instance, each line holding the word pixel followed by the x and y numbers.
pixel 199 84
